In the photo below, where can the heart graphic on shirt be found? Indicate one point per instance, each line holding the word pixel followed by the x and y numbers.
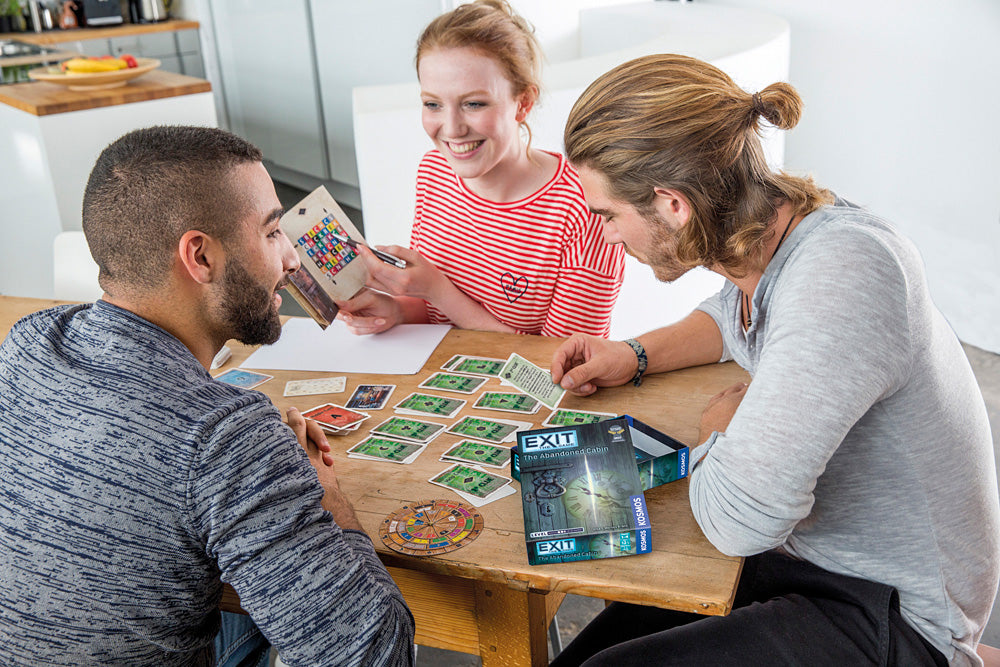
pixel 513 287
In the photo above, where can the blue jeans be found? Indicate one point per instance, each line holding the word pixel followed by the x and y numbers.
pixel 239 643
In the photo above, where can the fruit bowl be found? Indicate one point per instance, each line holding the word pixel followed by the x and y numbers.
pixel 94 80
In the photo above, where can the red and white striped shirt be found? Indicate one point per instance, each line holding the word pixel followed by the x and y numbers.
pixel 539 264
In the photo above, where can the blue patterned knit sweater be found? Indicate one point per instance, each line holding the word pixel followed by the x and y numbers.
pixel 132 485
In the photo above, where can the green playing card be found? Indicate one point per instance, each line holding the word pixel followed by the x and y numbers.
pixel 506 401
pixel 482 429
pixel 478 483
pixel 383 448
pixel 408 429
pixel 465 384
pixel 532 380
pixel 479 452
pixel 478 366
pixel 431 405
pixel 572 417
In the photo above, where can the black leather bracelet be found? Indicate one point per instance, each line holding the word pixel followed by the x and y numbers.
pixel 640 353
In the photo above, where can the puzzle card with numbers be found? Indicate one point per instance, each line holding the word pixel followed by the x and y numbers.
pixel 331 271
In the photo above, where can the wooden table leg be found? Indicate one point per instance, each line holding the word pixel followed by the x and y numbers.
pixel 512 625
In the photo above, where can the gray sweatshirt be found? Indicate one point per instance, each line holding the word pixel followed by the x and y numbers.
pixel 862 444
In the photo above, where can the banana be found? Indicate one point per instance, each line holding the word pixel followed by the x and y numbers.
pixel 91 65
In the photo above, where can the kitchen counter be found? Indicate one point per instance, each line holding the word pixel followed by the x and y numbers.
pixel 42 98
pixel 50 37
pixel 50 139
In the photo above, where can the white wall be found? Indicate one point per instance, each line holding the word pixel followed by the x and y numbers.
pixel 901 115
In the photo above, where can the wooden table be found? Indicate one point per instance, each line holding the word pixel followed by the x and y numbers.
pixel 484 598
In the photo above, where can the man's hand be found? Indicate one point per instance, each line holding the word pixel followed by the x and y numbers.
pixel 720 410
pixel 370 312
pixel 311 437
pixel 583 363
pixel 313 440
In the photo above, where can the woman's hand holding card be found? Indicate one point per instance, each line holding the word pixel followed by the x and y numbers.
pixel 370 312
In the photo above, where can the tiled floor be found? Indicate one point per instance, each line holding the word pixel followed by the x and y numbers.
pixel 577 611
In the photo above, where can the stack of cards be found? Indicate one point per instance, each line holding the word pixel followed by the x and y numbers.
pixel 488 430
pixel 473 484
pixel 535 381
pixel 507 402
pixel 374 448
pixel 478 453
pixel 429 405
pixel 335 419
pixel 461 363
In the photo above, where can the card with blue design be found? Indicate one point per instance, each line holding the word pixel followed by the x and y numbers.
pixel 241 378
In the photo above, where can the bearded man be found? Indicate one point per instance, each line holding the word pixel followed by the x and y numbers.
pixel 132 484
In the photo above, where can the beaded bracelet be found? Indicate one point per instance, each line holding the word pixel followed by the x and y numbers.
pixel 640 353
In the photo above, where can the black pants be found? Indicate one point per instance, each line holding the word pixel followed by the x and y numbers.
pixel 786 612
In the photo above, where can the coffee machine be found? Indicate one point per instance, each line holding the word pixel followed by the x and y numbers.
pixel 97 13
pixel 147 11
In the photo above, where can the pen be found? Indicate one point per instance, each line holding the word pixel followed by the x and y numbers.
pixel 384 256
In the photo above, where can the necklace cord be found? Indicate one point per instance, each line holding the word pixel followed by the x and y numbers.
pixel 746 297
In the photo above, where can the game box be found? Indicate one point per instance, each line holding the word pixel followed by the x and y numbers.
pixel 659 458
pixel 581 493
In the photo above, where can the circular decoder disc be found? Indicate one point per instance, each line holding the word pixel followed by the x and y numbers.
pixel 431 527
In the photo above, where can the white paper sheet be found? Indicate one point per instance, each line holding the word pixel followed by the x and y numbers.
pixel 303 346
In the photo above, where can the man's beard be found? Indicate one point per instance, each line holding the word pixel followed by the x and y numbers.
pixel 248 308
pixel 663 250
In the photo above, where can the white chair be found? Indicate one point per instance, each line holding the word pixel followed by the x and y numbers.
pixel 74 270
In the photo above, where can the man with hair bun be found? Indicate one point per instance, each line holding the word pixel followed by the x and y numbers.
pixel 855 471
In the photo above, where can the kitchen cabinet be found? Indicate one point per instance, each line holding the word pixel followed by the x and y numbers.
pixel 178 51
pixel 269 81
pixel 348 56
pixel 288 71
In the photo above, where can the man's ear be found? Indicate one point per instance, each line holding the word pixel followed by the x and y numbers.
pixel 672 206
pixel 201 256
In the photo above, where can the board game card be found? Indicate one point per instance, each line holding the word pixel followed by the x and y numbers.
pixel 330 385
pixel 342 431
pixel 384 449
pixel 412 430
pixel 507 402
pixel 461 363
pixel 429 404
pixel 241 378
pixel 502 492
pixel 470 481
pixel 532 380
pixel 562 417
pixel 370 396
pixel 480 453
pixel 334 417
pixel 463 384
pixel 490 430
